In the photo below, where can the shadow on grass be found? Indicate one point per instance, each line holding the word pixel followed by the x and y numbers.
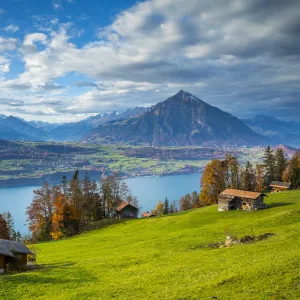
pixel 102 224
pixel 56 273
pixel 277 204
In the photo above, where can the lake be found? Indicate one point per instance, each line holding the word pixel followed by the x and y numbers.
pixel 147 189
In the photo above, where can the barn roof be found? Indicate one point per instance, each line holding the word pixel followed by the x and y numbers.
pixel 7 248
pixel 6 252
pixel 280 184
pixel 230 193
pixel 123 205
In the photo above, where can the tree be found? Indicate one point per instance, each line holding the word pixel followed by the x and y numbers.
pixel 280 164
pixel 185 203
pixel 212 182
pixel 269 164
pixel 4 231
pixel 166 207
pixel 59 218
pixel 10 224
pixel 159 209
pixel 295 172
pixel 76 201
pixel 40 213
pixel 173 207
pixel 259 178
pixel 234 173
pixel 195 200
pixel 248 178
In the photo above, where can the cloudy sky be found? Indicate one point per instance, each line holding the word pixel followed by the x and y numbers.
pixel 63 60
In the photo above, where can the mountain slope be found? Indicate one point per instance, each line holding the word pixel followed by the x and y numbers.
pixel 9 134
pixel 180 120
pixel 21 128
pixel 280 131
pixel 171 257
pixel 76 130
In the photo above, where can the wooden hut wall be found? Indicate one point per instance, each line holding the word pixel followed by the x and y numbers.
pixel 2 262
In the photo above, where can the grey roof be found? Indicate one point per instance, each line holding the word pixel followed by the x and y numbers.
pixel 7 248
pixel 6 252
pixel 280 184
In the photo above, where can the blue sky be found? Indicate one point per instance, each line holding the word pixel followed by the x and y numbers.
pixel 63 60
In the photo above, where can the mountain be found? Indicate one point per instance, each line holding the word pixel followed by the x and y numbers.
pixel 43 125
pixel 289 152
pixel 20 129
pixel 180 120
pixel 76 130
pixel 279 131
pixel 9 134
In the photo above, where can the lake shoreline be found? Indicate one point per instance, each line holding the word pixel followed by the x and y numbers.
pixel 56 178
pixel 147 189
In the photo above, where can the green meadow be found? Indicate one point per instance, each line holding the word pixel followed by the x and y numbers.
pixel 170 258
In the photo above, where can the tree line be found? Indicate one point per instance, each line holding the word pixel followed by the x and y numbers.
pixel 7 228
pixel 186 202
pixel 58 211
pixel 229 173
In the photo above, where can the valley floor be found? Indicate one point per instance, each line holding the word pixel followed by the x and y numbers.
pixel 170 258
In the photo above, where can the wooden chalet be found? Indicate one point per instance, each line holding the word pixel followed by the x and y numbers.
pixel 147 215
pixel 14 253
pixel 278 186
pixel 232 199
pixel 126 210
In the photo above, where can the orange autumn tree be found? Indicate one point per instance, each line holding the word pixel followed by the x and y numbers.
pixel 58 218
pixel 212 182
pixel 64 218
pixel 40 212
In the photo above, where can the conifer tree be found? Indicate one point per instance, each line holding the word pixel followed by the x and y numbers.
pixel 10 224
pixel 280 164
pixel 166 207
pixel 234 173
pixel 248 178
pixel 269 165
pixel 4 231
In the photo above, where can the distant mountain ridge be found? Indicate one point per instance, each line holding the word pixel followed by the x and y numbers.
pixel 15 128
pixel 280 131
pixel 181 120
pixel 75 131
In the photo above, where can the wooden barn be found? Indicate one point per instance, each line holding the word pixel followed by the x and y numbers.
pixel 278 186
pixel 232 199
pixel 126 210
pixel 14 253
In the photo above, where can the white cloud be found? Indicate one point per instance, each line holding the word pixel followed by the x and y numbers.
pixel 7 44
pixel 57 5
pixel 2 11
pixel 11 28
pixel 220 49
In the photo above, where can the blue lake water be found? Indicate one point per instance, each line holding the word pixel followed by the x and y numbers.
pixel 147 189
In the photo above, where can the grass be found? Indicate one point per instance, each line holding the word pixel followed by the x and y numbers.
pixel 169 258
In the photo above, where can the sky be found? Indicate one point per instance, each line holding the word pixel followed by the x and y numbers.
pixel 64 60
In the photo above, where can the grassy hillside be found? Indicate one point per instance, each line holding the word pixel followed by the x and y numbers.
pixel 169 258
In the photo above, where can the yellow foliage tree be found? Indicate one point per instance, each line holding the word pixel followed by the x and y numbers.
pixel 212 182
